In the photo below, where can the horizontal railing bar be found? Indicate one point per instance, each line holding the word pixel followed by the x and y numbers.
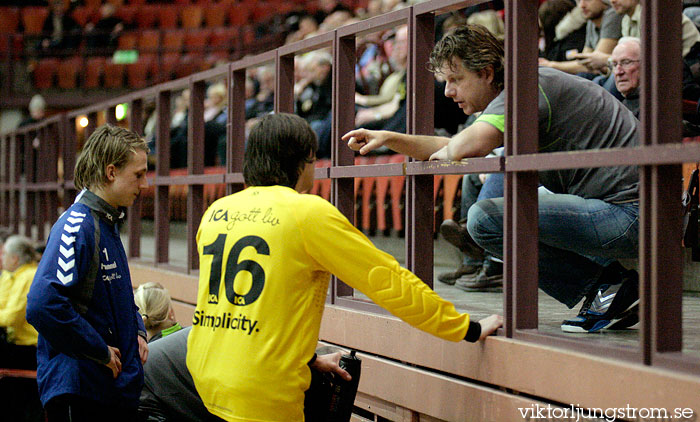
pixel 44 186
pixel 257 60
pixel 373 170
pixel 322 173
pixel 309 44
pixel 674 153
pixel 233 178
pixel 375 24
pixel 470 165
pixel 189 179
pixel 218 71
pixel 443 6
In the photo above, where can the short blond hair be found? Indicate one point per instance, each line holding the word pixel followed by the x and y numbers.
pixel 154 304
pixel 107 145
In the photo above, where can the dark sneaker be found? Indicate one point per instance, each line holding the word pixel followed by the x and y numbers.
pixel 450 277
pixel 458 235
pixel 611 307
pixel 490 276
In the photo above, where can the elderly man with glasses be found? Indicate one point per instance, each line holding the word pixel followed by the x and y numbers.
pixel 624 66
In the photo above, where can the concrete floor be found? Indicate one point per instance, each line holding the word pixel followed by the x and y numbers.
pixel 479 304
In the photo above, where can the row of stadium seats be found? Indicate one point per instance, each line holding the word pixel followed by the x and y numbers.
pixel 175 40
pixel 100 72
pixel 215 15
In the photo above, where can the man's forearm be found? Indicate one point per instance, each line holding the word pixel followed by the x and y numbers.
pixel 420 147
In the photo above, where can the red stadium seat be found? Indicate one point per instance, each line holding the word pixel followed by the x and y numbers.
pixel 137 73
pixel 215 15
pixel 191 17
pixel 93 4
pixel 189 64
pixel 166 67
pixel 197 40
pixel 173 40
pixel 128 40
pixel 33 19
pixel 168 17
pixel 147 16
pixel 224 39
pixel 83 15
pixel 240 13
pixel 44 73
pixel 149 41
pixel 68 71
pixel 11 44
pixel 9 19
pixel 127 14
pixel 94 69
pixel 114 75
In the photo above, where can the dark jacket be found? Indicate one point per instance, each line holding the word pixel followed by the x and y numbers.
pixel 80 302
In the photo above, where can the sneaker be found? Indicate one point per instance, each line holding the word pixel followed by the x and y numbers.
pixel 450 277
pixel 458 235
pixel 489 276
pixel 611 307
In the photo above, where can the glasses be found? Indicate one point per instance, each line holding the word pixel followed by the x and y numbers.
pixel 624 63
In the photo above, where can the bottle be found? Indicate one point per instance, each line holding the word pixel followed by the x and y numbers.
pixel 343 392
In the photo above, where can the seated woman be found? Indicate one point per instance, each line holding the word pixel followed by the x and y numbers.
pixel 18 338
pixel 156 310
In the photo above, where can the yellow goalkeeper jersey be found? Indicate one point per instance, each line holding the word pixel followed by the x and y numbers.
pixel 265 258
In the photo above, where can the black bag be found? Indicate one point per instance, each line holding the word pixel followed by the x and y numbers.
pixel 691 214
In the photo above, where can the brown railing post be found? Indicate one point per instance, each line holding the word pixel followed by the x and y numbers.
pixel 195 165
pixel 420 121
pixel 69 151
pixel 134 213
pixel 235 141
pixel 520 207
pixel 284 83
pixel 161 224
pixel 342 190
pixel 661 266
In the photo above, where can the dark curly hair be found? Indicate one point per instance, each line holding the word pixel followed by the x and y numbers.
pixel 476 47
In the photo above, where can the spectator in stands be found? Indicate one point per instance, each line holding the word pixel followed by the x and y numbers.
pixel 387 110
pixel 250 362
pixel 17 338
pixel 631 11
pixel 215 117
pixel 578 243
pixel 156 309
pixel 550 14
pixel 37 110
pixel 314 100
pixel 602 32
pixel 264 99
pixel 307 27
pixel 61 33
pixel 178 131
pixel 624 65
pixel 101 37
pixel 392 84
pixel 92 341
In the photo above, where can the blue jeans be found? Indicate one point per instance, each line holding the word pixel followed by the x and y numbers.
pixel 577 238
pixel 472 191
